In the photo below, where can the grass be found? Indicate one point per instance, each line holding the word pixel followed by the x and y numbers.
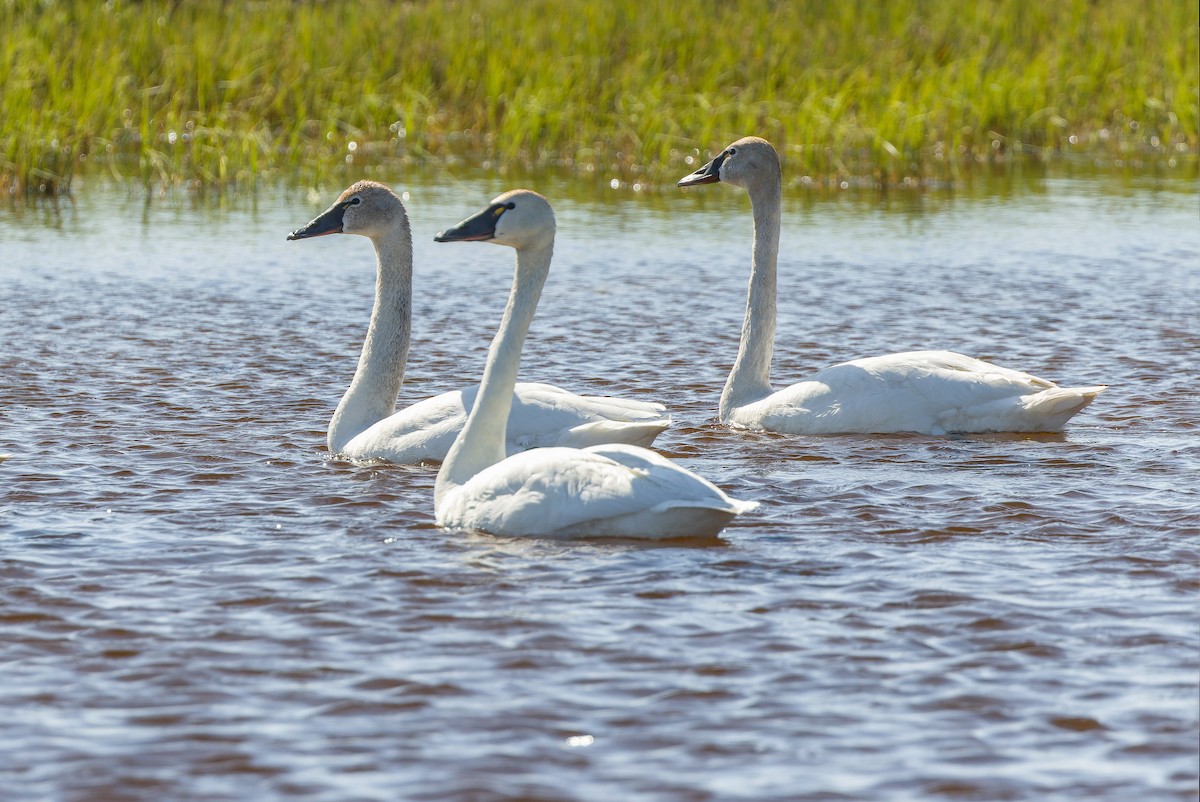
pixel 226 94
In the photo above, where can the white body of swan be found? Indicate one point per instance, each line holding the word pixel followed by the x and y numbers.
pixel 614 490
pixel 924 392
pixel 366 425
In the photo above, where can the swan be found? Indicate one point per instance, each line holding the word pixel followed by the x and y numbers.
pixel 616 490
pixel 922 392
pixel 366 425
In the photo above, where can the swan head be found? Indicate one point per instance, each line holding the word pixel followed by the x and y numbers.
pixel 367 208
pixel 520 218
pixel 746 162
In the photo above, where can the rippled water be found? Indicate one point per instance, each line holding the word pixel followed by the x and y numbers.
pixel 197 604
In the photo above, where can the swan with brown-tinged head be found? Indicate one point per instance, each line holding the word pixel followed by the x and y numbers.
pixel 613 490
pixel 924 392
pixel 366 425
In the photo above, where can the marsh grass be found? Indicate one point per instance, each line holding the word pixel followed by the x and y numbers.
pixel 216 95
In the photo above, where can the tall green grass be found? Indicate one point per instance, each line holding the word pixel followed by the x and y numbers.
pixel 227 93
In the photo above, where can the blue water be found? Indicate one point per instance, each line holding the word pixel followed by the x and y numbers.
pixel 197 603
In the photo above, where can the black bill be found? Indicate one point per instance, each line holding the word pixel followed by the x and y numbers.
pixel 329 222
pixel 479 226
pixel 708 174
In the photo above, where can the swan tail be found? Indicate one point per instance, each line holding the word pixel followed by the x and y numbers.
pixel 741 507
pixel 702 518
pixel 732 506
pixel 624 409
pixel 634 433
pixel 1043 411
pixel 1051 409
pixel 593 406
pixel 680 518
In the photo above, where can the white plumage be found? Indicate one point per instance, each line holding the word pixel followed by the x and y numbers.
pixel 613 490
pixel 543 415
pixel 931 392
pixel 366 424
pixel 602 491
pixel 926 392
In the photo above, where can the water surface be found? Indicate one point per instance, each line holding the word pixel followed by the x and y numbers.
pixel 196 603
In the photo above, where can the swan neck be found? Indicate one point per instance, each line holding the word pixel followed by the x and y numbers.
pixel 483 439
pixel 750 379
pixel 371 396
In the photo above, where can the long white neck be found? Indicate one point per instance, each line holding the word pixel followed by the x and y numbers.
pixel 482 440
pixel 750 379
pixel 372 393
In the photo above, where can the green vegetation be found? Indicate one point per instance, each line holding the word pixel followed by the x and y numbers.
pixel 218 94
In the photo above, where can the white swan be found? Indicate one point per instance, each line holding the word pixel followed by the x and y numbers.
pixel 366 424
pixel 611 490
pixel 925 392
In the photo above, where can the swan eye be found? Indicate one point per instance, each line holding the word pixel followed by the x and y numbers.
pixel 355 200
pixel 731 151
pixel 510 205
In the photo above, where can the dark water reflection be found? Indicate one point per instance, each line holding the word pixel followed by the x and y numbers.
pixel 195 603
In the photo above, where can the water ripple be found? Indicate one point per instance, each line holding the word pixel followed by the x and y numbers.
pixel 198 603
